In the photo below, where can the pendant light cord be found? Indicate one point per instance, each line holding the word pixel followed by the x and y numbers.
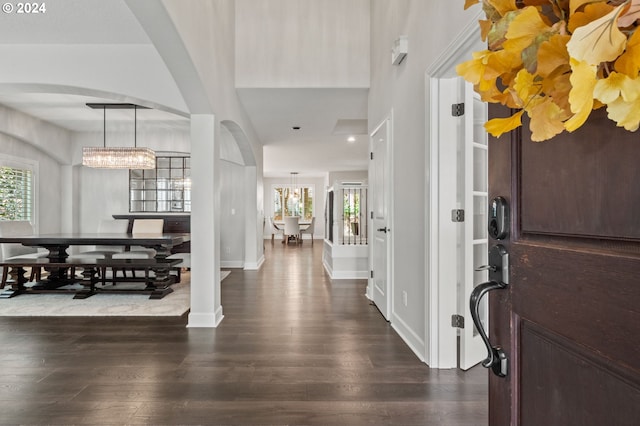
pixel 104 126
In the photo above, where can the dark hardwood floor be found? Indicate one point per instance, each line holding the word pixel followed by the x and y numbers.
pixel 294 348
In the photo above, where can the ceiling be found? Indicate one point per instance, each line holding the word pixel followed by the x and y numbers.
pixel 326 117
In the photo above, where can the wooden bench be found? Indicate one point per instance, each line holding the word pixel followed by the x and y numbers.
pixel 157 286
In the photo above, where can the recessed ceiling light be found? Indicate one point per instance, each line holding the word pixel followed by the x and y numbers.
pixel 296 127
pixel 351 139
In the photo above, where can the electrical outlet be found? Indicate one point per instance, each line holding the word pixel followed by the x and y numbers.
pixel 227 250
pixel 404 298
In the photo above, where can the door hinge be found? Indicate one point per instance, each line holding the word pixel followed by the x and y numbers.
pixel 457 110
pixel 371 155
pixel 457 215
pixel 371 214
pixel 457 321
pixel 372 274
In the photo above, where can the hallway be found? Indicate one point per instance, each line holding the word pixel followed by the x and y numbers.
pixel 294 348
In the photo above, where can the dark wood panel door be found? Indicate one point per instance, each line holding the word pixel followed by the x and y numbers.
pixel 569 320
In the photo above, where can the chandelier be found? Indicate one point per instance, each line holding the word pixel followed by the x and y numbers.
pixel 293 192
pixel 118 157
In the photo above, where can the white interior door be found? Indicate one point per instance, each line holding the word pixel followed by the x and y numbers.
pixel 380 293
pixel 473 247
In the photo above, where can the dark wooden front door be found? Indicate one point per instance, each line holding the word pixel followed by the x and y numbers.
pixel 569 320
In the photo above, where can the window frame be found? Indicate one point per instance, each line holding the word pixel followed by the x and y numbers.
pixel 162 189
pixel 34 167
pixel 285 186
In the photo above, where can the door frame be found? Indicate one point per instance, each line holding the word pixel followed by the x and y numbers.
pixel 388 120
pixel 441 299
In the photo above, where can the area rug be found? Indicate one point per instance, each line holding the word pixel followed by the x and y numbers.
pixel 107 305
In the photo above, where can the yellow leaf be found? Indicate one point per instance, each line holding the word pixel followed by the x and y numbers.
pixel 625 114
pixel 503 6
pixel 498 126
pixel 498 32
pixel 525 87
pixel 583 81
pixel 485 27
pixel 469 3
pixel 504 62
pixel 524 28
pixel 557 86
pixel 591 13
pixel 473 70
pixel 576 4
pixel 552 54
pixel 600 41
pixel 615 85
pixel 546 121
pixel 629 62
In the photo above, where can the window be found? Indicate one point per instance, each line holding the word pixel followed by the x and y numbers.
pixel 293 202
pixel 354 224
pixel 16 193
pixel 167 188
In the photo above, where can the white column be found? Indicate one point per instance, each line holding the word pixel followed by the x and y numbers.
pixel 253 253
pixel 206 309
pixel 67 209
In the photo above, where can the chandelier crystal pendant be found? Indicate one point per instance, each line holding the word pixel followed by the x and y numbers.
pixel 118 157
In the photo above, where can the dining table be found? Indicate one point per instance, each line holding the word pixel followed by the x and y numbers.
pixel 58 261
pixel 279 225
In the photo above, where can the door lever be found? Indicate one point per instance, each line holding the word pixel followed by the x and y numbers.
pixel 491 268
pixel 496 357
pixel 498 279
pixel 383 229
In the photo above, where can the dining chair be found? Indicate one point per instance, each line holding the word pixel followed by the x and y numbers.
pixel 272 228
pixel 105 226
pixel 8 251
pixel 291 227
pixel 308 230
pixel 142 226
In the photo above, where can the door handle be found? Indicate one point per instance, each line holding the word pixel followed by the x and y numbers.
pixel 385 229
pixel 498 280
pixel 496 358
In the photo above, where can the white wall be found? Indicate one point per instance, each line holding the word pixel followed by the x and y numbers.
pixel 232 215
pixel 302 43
pixel 348 176
pixel 430 26
pixel 48 178
pixel 102 193
pixel 33 140
pixel 128 73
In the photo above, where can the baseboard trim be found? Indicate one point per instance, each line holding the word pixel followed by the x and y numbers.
pixel 349 275
pixel 209 320
pixel 254 266
pixel 409 336
pixel 231 264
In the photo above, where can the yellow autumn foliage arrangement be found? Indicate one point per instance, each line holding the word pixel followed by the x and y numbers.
pixel 557 60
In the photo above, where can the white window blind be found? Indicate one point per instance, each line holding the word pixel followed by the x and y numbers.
pixel 16 194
